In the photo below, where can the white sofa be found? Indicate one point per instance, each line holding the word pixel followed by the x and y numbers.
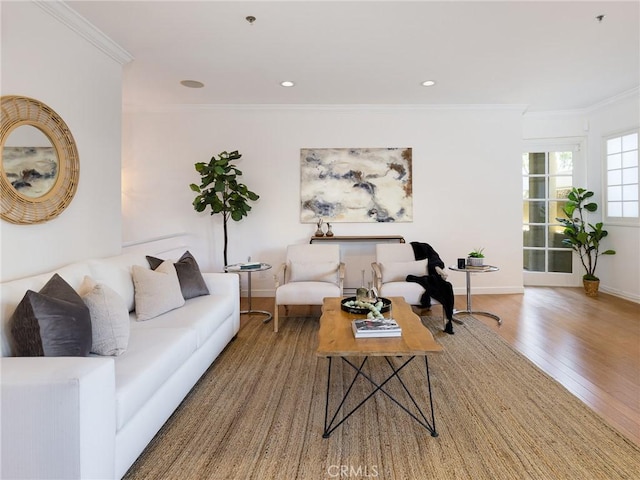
pixel 91 417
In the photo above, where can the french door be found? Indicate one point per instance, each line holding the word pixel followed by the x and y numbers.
pixel 548 173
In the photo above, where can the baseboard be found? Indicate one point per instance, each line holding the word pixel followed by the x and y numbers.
pixel 619 293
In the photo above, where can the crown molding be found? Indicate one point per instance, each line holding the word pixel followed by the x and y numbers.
pixel 72 19
pixel 634 92
pixel 318 107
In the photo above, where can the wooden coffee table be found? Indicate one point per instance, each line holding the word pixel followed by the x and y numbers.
pixel 336 339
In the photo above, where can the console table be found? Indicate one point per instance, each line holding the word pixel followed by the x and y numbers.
pixel 358 238
pixel 357 252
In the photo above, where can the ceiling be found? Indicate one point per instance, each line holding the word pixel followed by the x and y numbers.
pixel 544 55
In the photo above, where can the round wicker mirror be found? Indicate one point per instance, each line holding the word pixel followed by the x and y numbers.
pixel 39 163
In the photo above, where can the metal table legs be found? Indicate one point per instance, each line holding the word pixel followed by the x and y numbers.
pixel 330 426
pixel 470 310
pixel 250 310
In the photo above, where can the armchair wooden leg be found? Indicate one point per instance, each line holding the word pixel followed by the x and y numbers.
pixel 275 318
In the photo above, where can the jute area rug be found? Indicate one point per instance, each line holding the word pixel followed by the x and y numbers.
pixel 258 413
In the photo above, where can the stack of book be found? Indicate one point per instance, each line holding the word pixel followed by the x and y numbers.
pixel 478 268
pixel 369 328
pixel 250 265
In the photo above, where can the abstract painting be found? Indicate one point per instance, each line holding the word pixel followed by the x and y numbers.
pixel 356 185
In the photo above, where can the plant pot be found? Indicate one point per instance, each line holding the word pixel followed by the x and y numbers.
pixel 591 287
pixel 475 262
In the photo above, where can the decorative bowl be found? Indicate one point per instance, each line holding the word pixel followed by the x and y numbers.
pixel 386 306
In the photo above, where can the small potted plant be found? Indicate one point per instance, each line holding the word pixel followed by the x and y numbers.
pixel 475 258
pixel 584 238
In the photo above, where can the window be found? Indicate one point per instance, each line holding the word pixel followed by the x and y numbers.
pixel 547 178
pixel 622 176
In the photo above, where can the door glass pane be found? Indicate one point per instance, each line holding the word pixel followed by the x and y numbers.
pixel 556 235
pixel 536 187
pixel 555 211
pixel 560 261
pixel 614 161
pixel 534 260
pixel 536 163
pixel 560 163
pixel 534 212
pixel 533 236
pixel 559 187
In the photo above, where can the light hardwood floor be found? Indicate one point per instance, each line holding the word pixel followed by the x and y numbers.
pixel 590 345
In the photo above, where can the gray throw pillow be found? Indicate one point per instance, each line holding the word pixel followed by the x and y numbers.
pixel 191 282
pixel 53 322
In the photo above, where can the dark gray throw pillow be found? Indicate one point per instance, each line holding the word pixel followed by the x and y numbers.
pixel 191 282
pixel 53 322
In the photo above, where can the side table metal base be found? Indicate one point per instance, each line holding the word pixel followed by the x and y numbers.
pixel 263 312
pixel 476 312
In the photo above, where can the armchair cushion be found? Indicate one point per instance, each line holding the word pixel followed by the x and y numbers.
pixel 398 271
pixel 314 272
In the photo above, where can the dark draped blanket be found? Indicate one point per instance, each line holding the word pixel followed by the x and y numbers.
pixel 434 285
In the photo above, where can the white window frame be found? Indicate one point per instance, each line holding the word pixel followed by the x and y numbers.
pixel 577 145
pixel 609 220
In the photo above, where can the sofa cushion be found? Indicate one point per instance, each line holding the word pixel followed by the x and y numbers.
pixel 154 354
pixel 53 322
pixel 191 282
pixel 109 318
pixel 156 291
pixel 398 271
pixel 201 314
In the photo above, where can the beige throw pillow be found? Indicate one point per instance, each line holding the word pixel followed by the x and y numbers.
pixel 156 291
pixel 398 271
pixel 109 318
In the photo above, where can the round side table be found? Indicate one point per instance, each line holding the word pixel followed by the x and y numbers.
pixel 468 271
pixel 238 268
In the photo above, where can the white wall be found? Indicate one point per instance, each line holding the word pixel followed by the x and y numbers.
pixel 46 60
pixel 466 179
pixel 619 274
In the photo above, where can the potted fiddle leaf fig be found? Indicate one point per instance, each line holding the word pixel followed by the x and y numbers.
pixel 582 237
pixel 220 190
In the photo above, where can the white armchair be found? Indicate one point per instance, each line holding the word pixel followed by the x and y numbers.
pixel 310 273
pixel 394 262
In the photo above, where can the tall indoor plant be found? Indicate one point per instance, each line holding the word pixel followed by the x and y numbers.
pixel 584 238
pixel 220 189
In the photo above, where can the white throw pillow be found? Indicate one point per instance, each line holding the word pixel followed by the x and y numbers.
pixel 398 271
pixel 313 272
pixel 156 291
pixel 109 318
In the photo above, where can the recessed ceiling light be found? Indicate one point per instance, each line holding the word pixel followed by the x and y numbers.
pixel 191 84
pixel 428 83
pixel 287 83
